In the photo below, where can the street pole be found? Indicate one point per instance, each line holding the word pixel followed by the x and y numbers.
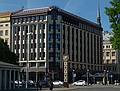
pixel 107 77
pixel 73 75
pixel 104 77
pixel 87 76
pixel 111 78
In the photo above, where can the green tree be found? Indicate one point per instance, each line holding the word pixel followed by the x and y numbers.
pixel 6 55
pixel 113 13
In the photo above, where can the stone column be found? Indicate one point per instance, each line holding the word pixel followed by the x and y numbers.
pixel 13 79
pixel 0 78
pixel 18 72
pixel 5 78
pixel 9 79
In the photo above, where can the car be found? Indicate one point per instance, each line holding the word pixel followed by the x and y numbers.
pixel 43 83
pixel 18 82
pixel 58 83
pixel 79 83
pixel 31 83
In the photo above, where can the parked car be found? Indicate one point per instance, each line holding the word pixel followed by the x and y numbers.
pixel 18 83
pixel 43 83
pixel 58 83
pixel 79 83
pixel 31 83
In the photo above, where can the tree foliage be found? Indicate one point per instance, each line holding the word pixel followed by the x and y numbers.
pixel 6 55
pixel 113 13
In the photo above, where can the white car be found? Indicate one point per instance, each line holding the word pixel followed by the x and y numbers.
pixel 16 83
pixel 57 83
pixel 79 83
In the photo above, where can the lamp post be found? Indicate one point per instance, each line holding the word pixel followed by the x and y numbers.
pixel 27 63
pixel 107 77
pixel 73 74
pixel 111 78
pixel 104 77
pixel 87 76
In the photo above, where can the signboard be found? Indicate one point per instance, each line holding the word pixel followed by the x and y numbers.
pixel 65 59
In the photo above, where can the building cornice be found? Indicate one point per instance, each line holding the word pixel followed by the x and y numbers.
pixel 5 14
pixel 30 12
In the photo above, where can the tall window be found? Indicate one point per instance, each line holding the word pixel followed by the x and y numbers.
pixel 6 32
pixel 107 53
pixel 1 33
pixel 113 53
pixel 6 40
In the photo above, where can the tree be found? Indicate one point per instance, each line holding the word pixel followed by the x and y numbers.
pixel 6 55
pixel 113 13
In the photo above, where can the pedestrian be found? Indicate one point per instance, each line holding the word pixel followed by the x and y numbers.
pixel 51 85
pixel 37 84
pixel 40 84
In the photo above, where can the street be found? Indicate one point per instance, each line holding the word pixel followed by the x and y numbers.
pixel 96 89
pixel 78 88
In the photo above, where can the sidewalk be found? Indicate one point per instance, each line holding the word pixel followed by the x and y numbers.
pixel 70 88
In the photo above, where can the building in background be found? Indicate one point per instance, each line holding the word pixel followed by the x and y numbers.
pixel 5 26
pixel 42 36
pixel 111 57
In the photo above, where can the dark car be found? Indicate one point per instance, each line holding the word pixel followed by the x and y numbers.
pixel 43 83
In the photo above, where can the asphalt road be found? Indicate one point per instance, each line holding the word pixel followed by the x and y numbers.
pixel 96 89
pixel 79 88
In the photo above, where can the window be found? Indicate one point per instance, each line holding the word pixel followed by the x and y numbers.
pixel 58 46
pixel 6 24
pixel 6 32
pixel 58 37
pixel 41 64
pixel 6 40
pixel 107 53
pixel 103 46
pixel 24 64
pixel 107 46
pixel 43 26
pixel 1 25
pixel 32 64
pixel 113 53
pixel 33 18
pixel 50 36
pixel 50 45
pixel 107 61
pixel 1 33
pixel 113 61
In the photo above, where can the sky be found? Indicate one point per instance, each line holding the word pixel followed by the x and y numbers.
pixel 84 8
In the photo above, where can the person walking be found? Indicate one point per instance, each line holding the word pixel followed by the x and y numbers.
pixel 51 85
pixel 40 84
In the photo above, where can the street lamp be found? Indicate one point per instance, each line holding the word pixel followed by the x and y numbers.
pixel 111 78
pixel 107 77
pixel 87 76
pixel 104 77
pixel 74 75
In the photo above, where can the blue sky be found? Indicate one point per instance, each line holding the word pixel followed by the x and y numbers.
pixel 84 8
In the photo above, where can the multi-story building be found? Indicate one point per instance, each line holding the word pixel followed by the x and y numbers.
pixel 111 56
pixel 43 35
pixel 5 26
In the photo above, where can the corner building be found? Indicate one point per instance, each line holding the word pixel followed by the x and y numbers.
pixel 54 32
pixel 5 24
